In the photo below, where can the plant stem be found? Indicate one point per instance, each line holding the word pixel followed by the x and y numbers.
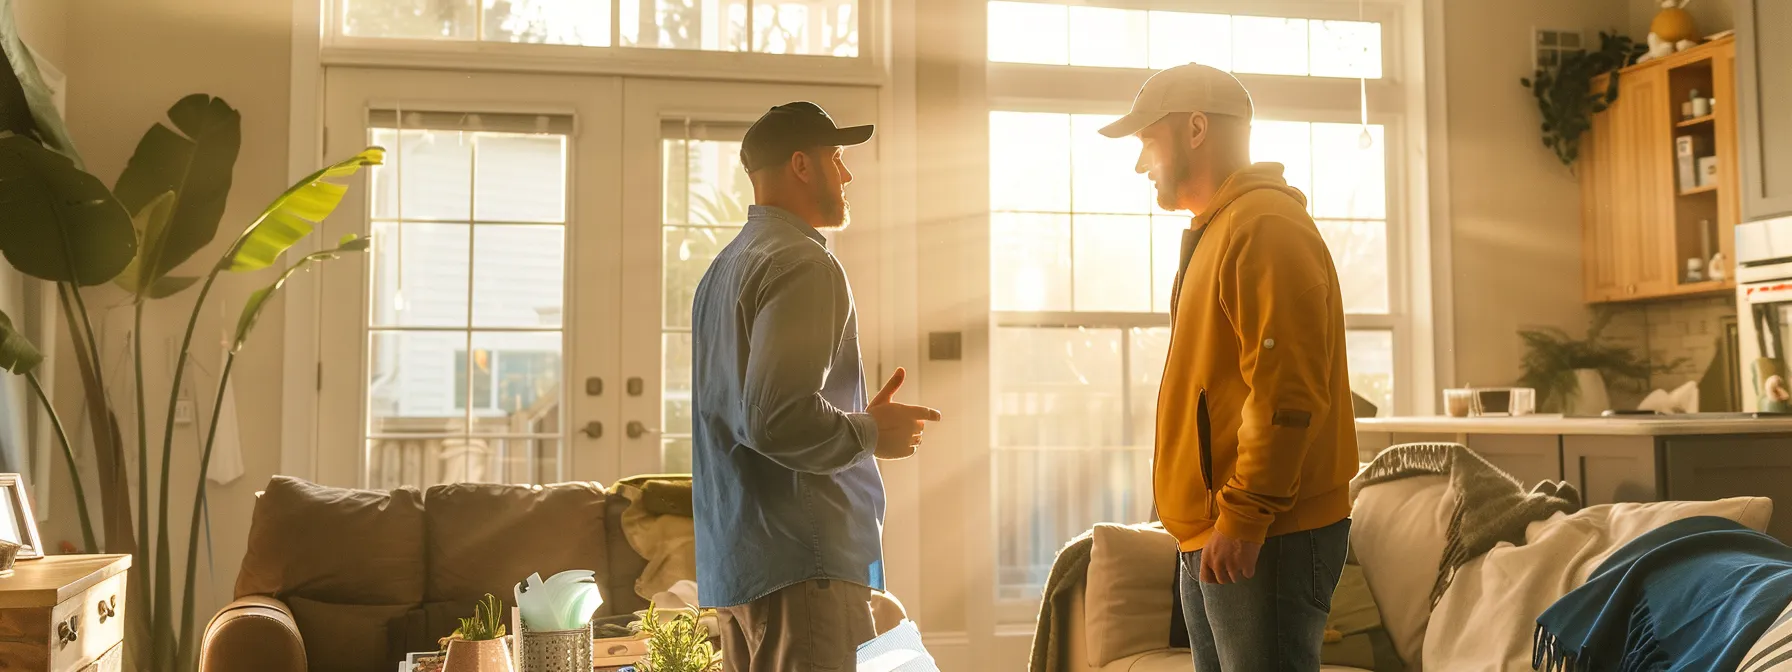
pixel 142 425
pixel 161 621
pixel 187 642
pixel 68 454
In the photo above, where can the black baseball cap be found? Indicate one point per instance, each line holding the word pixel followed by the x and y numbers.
pixel 791 128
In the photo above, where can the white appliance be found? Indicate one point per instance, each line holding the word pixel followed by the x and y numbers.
pixel 1764 313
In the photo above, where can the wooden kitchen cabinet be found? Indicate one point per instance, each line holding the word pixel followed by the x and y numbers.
pixel 1612 469
pixel 1639 224
pixel 1764 88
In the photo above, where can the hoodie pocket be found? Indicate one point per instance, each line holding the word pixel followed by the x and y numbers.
pixel 1204 443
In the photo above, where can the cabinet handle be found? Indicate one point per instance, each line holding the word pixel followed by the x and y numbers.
pixel 70 630
pixel 108 608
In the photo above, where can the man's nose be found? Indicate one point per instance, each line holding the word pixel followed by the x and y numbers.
pixel 845 175
pixel 1140 167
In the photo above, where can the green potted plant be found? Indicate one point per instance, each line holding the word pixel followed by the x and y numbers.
pixel 679 643
pixel 1565 94
pixel 1570 375
pixel 478 644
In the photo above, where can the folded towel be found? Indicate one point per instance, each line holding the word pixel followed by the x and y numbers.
pixel 1695 594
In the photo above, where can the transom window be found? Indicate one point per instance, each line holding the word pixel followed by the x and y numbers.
pixel 813 27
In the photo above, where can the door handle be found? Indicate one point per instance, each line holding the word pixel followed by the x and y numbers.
pixel 637 430
pixel 593 429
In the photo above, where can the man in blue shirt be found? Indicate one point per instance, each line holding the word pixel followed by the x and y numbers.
pixel 789 502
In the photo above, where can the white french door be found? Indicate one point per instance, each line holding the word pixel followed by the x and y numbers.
pixel 523 315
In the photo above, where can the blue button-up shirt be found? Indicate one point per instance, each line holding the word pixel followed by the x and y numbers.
pixel 785 486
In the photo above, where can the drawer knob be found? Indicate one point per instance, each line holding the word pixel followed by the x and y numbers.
pixel 108 608
pixel 69 630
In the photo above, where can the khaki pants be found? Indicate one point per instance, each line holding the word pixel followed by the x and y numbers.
pixel 813 625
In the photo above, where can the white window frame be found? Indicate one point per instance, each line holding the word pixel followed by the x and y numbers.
pixel 1395 102
pixel 868 67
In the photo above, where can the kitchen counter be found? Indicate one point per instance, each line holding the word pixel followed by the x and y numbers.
pixel 1635 425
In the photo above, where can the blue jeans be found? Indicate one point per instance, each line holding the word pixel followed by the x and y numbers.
pixel 1275 620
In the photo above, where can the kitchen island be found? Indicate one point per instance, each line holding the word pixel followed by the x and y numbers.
pixel 1623 458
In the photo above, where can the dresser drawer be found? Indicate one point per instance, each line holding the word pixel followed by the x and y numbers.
pixel 86 627
pixel 112 661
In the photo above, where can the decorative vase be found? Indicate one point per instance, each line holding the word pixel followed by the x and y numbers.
pixel 1588 398
pixel 1673 23
pixel 488 655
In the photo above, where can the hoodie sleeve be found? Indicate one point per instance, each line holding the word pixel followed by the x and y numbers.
pixel 1278 292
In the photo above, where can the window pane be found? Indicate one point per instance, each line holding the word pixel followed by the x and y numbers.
pixel 1106 37
pixel 689 250
pixel 412 386
pixel 524 368
pixel 818 27
pixel 437 172
pixel 1166 255
pixel 582 22
pixel 1360 253
pixel 419 275
pixel 1026 32
pixel 1289 143
pixel 1346 49
pixel 709 25
pixel 1269 45
pixel 519 275
pixel 420 462
pixel 419 19
pixel 1113 263
pixel 480 380
pixel 1371 355
pixel 1349 180
pixel 1029 161
pixel 1104 178
pixel 1144 374
pixel 675 455
pixel 1181 37
pixel 1030 268
pixel 675 381
pixel 1063 457
pixel 704 183
pixel 520 178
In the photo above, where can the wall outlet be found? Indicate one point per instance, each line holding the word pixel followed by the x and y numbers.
pixel 183 411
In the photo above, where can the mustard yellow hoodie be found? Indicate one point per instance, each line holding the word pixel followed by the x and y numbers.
pixel 1255 434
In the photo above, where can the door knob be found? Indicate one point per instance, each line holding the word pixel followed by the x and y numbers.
pixel 637 430
pixel 593 429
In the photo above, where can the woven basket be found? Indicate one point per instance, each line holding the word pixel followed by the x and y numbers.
pixel 554 650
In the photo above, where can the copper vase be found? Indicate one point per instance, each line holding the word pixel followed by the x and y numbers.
pixel 489 655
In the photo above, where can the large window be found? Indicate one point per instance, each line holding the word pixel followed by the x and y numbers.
pixel 1082 259
pixel 815 27
pixel 468 275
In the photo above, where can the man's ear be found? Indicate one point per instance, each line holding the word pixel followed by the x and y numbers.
pixel 1197 130
pixel 802 167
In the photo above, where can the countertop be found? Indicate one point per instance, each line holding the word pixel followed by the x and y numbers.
pixel 1663 425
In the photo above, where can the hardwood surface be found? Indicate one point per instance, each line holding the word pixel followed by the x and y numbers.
pixel 49 581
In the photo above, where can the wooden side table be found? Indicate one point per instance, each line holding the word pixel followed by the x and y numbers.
pixel 64 613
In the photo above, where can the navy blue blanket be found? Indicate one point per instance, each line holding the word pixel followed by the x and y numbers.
pixel 1694 594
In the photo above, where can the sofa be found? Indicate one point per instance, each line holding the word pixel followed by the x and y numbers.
pixel 1121 620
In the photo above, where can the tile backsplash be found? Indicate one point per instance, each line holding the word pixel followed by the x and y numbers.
pixel 1668 331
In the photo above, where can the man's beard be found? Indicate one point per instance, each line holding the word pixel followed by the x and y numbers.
pixel 835 213
pixel 1179 167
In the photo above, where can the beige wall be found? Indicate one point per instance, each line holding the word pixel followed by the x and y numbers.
pixel 1709 16
pixel 127 61
pixel 1514 210
pixel 44 26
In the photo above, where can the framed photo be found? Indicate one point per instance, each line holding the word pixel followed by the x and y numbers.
pixel 17 525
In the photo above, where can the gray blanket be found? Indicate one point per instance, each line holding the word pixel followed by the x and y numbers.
pixel 1051 635
pixel 1491 505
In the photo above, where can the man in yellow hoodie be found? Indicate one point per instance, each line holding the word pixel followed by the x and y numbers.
pixel 1256 441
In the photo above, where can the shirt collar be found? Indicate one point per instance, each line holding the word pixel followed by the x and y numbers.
pixel 766 213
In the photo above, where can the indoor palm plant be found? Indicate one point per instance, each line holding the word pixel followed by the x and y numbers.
pixel 65 226
pixel 1570 375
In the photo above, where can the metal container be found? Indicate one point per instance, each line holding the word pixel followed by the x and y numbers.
pixel 554 650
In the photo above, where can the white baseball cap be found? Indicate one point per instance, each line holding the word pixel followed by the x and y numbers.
pixel 1184 88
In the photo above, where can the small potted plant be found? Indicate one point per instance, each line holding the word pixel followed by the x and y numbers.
pixel 677 644
pixel 478 644
pixel 1570 375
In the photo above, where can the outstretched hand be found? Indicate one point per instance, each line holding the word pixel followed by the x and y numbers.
pixel 899 426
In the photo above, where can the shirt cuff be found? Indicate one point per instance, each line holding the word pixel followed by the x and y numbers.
pixel 866 427
pixel 1240 528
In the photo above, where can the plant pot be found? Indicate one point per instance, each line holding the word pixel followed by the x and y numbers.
pixel 489 655
pixel 1588 397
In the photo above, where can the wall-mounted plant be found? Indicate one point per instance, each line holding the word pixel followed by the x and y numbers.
pixel 1565 94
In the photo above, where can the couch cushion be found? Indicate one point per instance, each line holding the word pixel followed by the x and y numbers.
pixel 484 538
pixel 1397 535
pixel 1178 660
pixel 335 544
pixel 625 565
pixel 347 637
pixel 1129 592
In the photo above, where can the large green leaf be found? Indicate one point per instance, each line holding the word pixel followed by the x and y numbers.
pixel 295 214
pixel 58 223
pixel 17 354
pixel 26 106
pixel 193 163
pixel 259 298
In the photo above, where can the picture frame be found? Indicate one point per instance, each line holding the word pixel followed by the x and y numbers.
pixel 17 525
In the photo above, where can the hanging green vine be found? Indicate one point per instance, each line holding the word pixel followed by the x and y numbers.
pixel 1565 94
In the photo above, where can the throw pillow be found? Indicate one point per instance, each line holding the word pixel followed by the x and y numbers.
pixel 484 538
pixel 346 637
pixel 1130 591
pixel 334 544
pixel 1397 535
